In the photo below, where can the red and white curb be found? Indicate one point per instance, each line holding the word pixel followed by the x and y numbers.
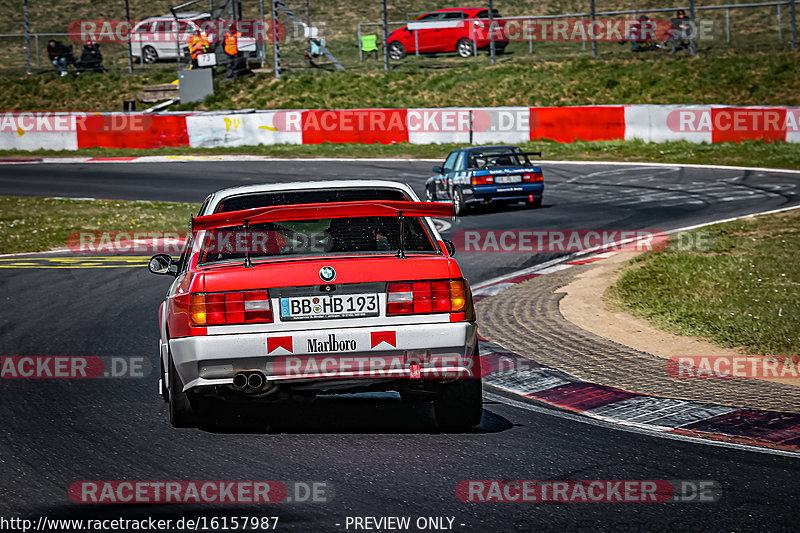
pixel 32 130
pixel 522 376
pixel 519 375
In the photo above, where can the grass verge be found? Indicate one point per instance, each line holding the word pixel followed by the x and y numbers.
pixel 36 224
pixel 749 153
pixel 741 293
pixel 735 79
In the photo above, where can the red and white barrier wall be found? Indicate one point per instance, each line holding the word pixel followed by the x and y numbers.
pixel 30 130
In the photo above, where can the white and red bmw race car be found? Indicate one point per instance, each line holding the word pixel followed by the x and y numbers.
pixel 321 287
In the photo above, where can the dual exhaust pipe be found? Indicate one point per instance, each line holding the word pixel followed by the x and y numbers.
pixel 253 381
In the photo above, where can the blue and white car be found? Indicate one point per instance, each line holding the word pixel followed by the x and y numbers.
pixel 485 174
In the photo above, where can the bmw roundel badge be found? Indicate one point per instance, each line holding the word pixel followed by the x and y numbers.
pixel 327 274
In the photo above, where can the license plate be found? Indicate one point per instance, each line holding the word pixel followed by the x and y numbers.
pixel 329 306
pixel 508 179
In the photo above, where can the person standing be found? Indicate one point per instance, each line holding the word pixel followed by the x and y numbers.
pixel 681 30
pixel 231 47
pixel 205 43
pixel 195 46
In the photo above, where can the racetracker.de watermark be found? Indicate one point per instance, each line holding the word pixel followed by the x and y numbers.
pixel 411 366
pixel 210 492
pixel 734 367
pixel 401 120
pixel 72 367
pixel 611 30
pixel 222 241
pixel 734 120
pixel 23 122
pixel 571 241
pixel 126 242
pixel 170 31
pixel 588 491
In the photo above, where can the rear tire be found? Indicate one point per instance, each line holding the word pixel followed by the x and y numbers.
pixel 430 194
pixel 396 50
pixel 459 404
pixel 149 54
pixel 164 388
pixel 181 414
pixel 458 202
pixel 465 48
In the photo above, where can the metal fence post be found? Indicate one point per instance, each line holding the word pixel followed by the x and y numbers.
pixel 728 25
pixel 276 53
pixel 492 51
pixel 385 27
pixel 262 49
pixel 416 42
pixel 130 32
pixel 594 41
pixel 360 51
pixel 36 44
pixel 583 37
pixel 530 35
pixel 27 36
pixel 693 36
pixel 793 23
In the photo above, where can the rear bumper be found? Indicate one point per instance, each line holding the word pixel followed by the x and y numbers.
pixel 441 351
pixel 512 191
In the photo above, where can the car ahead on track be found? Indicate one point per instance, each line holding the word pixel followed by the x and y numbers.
pixel 457 30
pixel 297 289
pixel 485 174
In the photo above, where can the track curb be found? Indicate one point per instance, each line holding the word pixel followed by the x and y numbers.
pixel 522 376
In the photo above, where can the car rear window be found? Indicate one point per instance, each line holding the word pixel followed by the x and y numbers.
pixel 337 236
pixel 308 196
pixel 485 14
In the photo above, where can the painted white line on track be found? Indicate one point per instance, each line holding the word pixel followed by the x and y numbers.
pixel 588 419
pixel 673 165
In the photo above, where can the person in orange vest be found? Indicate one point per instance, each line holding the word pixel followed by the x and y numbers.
pixel 195 46
pixel 231 47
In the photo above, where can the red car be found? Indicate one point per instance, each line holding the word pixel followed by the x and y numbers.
pixel 458 30
pixel 288 291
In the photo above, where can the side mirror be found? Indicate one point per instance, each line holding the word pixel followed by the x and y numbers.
pixel 451 248
pixel 438 169
pixel 160 264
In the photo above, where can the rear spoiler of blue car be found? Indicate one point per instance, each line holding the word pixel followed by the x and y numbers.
pixel 481 154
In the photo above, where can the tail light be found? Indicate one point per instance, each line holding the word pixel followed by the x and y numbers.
pixel 415 297
pixel 536 176
pixel 219 308
pixel 482 180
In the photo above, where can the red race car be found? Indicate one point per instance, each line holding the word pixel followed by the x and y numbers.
pixel 459 30
pixel 350 288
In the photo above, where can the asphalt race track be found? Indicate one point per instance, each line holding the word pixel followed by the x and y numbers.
pixel 377 457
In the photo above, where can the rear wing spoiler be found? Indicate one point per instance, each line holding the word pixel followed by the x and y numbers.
pixel 279 213
pixel 481 154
